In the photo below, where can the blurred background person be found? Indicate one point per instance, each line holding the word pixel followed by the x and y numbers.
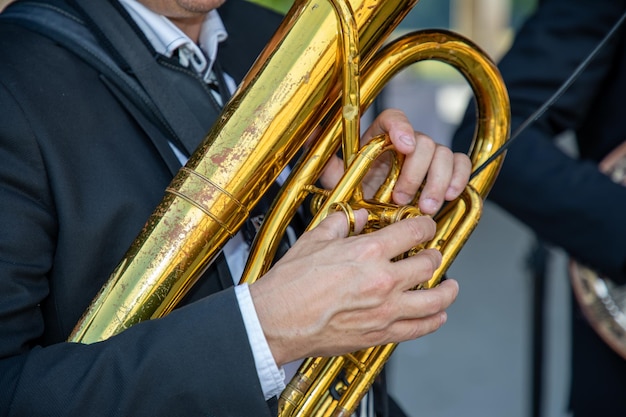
pixel 562 196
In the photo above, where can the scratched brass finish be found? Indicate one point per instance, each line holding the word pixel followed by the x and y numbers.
pixel 284 97
pixel 314 79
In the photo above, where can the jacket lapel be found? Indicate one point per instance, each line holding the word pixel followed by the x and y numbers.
pixel 159 140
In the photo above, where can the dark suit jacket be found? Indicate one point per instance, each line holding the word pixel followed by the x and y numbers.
pixel 566 200
pixel 81 172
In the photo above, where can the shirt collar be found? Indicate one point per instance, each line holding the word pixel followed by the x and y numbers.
pixel 166 38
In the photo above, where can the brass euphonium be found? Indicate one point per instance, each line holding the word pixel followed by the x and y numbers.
pixel 319 71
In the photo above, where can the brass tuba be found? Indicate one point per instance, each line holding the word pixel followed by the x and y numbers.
pixel 318 72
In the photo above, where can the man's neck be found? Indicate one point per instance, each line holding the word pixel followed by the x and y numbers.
pixel 190 26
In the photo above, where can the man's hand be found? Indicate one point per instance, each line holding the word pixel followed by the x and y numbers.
pixel 446 173
pixel 332 294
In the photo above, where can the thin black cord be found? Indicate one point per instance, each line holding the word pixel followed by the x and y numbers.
pixel 541 110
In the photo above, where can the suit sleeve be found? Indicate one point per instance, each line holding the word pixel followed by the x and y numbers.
pixel 565 200
pixel 195 361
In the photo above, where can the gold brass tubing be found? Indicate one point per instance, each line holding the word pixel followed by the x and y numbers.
pixel 318 371
pixel 379 355
pixel 457 221
pixel 349 61
pixel 292 91
pixel 490 134
pixel 283 99
pixel 492 129
pixel 352 178
pixel 313 403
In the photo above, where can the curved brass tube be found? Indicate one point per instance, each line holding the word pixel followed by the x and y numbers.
pixel 282 100
pixel 293 90
pixel 309 393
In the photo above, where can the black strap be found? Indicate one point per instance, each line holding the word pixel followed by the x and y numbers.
pixel 70 31
pixel 146 88
pixel 118 33
pixel 151 91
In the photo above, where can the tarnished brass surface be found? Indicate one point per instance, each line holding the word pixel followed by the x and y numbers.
pixel 314 79
pixel 284 97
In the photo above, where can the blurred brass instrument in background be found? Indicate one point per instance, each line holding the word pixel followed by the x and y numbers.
pixel 319 72
pixel 603 301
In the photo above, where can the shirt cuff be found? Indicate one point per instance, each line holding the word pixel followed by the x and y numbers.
pixel 272 377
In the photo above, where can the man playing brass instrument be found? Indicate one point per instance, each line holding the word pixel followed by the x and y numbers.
pixel 83 166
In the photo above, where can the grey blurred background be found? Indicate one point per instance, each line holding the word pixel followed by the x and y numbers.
pixel 480 363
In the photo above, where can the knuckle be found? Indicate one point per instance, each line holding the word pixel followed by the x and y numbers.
pixel 371 248
pixel 427 268
pixel 444 151
pixel 422 228
pixel 425 141
pixel 393 112
pixel 462 158
pixel 385 316
pixel 385 283
pixel 435 304
pixel 378 288
pixel 426 326
pixel 412 183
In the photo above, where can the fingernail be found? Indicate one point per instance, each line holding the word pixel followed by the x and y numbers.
pixel 402 198
pixel 409 140
pixel 429 205
pixel 452 192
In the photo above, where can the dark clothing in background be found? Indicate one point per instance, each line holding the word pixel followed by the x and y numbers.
pixel 566 200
